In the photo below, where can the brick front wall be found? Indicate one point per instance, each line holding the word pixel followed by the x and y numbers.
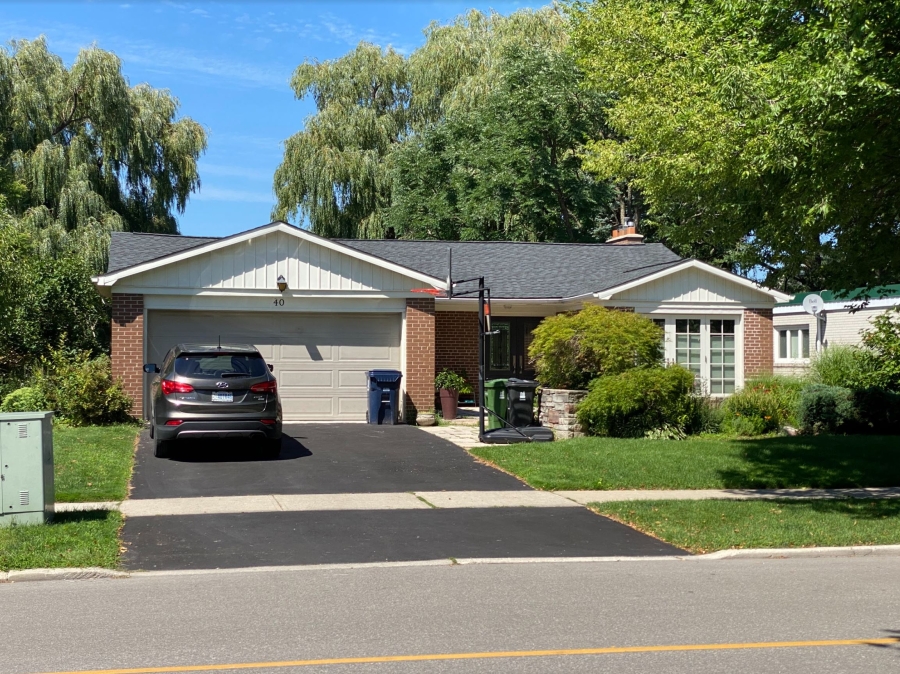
pixel 419 356
pixel 128 346
pixel 456 343
pixel 758 341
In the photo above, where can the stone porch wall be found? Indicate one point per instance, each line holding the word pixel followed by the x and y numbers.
pixel 558 412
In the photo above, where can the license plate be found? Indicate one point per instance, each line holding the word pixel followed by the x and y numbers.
pixel 223 397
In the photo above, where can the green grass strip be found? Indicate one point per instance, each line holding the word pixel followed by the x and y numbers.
pixel 703 463
pixel 93 463
pixel 706 526
pixel 71 539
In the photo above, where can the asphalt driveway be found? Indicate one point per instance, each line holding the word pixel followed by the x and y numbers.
pixel 346 459
pixel 317 459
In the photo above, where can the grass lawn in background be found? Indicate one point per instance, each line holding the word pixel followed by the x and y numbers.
pixel 71 539
pixel 706 526
pixel 93 463
pixel 710 462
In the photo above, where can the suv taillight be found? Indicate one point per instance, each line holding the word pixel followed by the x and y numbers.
pixel 169 387
pixel 265 387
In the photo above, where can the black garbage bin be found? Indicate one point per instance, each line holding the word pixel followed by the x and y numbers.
pixel 520 402
pixel 384 396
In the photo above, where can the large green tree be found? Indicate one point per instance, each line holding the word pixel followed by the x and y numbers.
pixel 509 165
pixel 763 131
pixel 338 172
pixel 88 152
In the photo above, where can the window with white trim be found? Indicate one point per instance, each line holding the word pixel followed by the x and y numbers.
pixel 721 356
pixel 793 343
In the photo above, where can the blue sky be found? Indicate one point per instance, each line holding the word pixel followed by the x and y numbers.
pixel 229 65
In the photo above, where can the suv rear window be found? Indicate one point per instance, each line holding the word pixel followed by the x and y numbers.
pixel 216 365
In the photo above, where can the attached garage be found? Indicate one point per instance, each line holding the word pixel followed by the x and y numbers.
pixel 320 359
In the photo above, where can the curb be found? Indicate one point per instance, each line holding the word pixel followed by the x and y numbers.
pixel 87 573
pixel 94 573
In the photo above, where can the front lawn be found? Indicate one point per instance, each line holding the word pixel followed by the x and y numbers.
pixel 703 463
pixel 705 526
pixel 93 463
pixel 71 539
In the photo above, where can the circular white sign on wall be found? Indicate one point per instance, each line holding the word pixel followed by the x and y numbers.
pixel 813 304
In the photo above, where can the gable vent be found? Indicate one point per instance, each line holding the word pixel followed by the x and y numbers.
pixel 23 430
pixel 24 498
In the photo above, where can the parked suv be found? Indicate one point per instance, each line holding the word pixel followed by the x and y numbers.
pixel 225 391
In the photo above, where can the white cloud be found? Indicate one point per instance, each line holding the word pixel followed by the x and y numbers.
pixel 224 194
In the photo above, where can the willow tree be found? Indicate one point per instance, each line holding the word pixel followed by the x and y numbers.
pixel 87 152
pixel 337 171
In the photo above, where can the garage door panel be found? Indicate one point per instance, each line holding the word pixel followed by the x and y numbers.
pixel 310 353
pixel 305 352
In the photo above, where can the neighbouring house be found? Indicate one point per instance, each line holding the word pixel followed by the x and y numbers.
pixel 351 305
pixel 799 336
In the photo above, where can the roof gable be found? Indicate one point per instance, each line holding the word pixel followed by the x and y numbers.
pixel 692 281
pixel 255 259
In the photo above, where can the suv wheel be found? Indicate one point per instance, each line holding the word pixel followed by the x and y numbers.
pixel 162 449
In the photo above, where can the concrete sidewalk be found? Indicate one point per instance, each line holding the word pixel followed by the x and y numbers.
pixel 424 500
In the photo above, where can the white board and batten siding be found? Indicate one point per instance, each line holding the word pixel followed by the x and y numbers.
pixel 256 264
pixel 695 286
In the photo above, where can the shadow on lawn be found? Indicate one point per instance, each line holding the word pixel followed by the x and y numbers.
pixel 819 461
pixel 861 509
pixel 80 516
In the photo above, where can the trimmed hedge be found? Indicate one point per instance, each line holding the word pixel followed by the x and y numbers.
pixel 639 400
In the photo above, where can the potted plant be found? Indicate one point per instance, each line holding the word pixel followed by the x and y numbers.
pixel 426 418
pixel 450 385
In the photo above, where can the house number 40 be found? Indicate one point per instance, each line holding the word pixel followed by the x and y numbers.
pixel 279 302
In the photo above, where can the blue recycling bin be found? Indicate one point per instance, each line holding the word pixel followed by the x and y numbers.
pixel 384 396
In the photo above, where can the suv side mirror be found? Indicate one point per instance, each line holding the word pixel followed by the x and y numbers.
pixel 271 367
pixel 151 368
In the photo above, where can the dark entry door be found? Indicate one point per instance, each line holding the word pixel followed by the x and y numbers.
pixel 507 352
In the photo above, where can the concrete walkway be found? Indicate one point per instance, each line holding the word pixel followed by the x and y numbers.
pixel 424 500
pixel 463 436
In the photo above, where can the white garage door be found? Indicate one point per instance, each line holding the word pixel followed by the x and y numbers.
pixel 320 359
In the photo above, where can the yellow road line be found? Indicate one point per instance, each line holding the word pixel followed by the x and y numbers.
pixel 490 654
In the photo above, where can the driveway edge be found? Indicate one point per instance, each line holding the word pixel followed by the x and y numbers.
pixel 95 573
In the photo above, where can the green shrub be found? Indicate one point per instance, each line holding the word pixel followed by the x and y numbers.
pixel 767 402
pixel 828 409
pixel 81 388
pixel 847 366
pixel 637 401
pixel 877 411
pixel 571 350
pixel 451 381
pixel 25 399
pixel 883 341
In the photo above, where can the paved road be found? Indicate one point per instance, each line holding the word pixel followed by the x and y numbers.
pixel 241 617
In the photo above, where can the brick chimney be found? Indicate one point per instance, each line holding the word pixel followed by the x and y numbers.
pixel 626 236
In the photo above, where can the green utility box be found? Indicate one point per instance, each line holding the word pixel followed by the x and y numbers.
pixel 495 400
pixel 26 468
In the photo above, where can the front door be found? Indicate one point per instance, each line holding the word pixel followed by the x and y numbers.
pixel 507 349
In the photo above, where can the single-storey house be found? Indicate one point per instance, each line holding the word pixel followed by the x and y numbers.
pixel 351 305
pixel 798 336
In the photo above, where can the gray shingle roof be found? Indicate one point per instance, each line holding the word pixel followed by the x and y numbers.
pixel 127 249
pixel 512 270
pixel 517 270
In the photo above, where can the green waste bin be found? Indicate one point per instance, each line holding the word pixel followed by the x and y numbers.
pixel 495 400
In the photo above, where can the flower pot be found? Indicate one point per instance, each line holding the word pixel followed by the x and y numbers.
pixel 449 403
pixel 425 420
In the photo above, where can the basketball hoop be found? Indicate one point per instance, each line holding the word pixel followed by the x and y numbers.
pixel 435 292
